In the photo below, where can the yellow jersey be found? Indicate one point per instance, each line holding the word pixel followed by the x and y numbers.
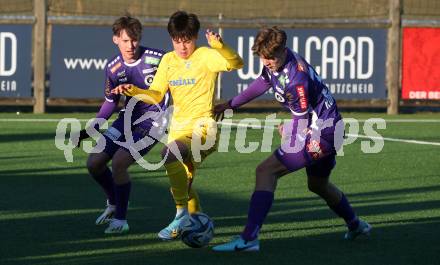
pixel 191 83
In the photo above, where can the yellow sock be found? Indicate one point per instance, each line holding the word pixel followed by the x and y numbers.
pixel 193 202
pixel 193 197
pixel 177 173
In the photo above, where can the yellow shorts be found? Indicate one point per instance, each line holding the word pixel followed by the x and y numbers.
pixel 201 141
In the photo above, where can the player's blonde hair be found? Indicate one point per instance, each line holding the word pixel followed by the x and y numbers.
pixel 269 42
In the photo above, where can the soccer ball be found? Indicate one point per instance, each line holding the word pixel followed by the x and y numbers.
pixel 199 232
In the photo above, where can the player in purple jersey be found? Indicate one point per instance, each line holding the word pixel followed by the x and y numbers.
pixel 133 65
pixel 309 139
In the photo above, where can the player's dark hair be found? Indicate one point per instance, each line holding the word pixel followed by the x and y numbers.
pixel 183 26
pixel 131 25
pixel 269 42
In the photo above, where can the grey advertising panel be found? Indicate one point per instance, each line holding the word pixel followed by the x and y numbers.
pixel 350 61
pixel 15 61
pixel 79 56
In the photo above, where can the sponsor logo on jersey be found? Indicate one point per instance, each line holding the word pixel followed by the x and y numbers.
pixel 302 97
pixel 123 79
pixel 282 80
pixel 121 74
pixel 149 70
pixel 279 97
pixel 314 149
pixel 152 60
pixel 182 82
pixel 148 80
pixel 187 64
pixel 279 90
pixel 115 67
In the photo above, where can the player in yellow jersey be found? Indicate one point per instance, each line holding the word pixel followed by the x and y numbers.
pixel 189 73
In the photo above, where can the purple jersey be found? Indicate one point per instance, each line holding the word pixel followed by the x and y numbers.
pixel 140 73
pixel 299 89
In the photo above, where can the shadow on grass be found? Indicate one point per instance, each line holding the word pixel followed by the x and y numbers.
pixel 48 218
pixel 9 157
pixel 9 138
pixel 57 237
pixel 390 244
pixel 23 171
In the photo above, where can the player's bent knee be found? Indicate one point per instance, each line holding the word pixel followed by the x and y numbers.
pixel 119 166
pixel 261 170
pixel 316 187
pixel 94 166
pixel 121 161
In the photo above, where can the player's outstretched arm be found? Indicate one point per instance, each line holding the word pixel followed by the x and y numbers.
pixel 216 42
pixel 255 89
pixel 105 112
pixel 148 96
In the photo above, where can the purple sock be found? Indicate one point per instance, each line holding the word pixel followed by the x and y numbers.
pixel 261 202
pixel 122 193
pixel 343 209
pixel 105 180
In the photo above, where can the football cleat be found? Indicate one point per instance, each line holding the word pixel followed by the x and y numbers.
pixel 107 215
pixel 117 227
pixel 175 228
pixel 238 244
pixel 363 228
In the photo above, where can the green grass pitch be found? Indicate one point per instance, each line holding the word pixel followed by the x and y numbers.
pixel 48 206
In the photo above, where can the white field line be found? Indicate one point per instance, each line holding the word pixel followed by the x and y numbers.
pixel 405 120
pixel 261 127
pixel 38 120
pixel 360 120
pixel 350 135
pixel 393 139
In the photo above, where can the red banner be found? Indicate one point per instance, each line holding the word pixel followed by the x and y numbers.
pixel 421 63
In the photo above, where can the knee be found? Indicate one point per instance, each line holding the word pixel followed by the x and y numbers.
pixel 265 179
pixel 316 187
pixel 260 170
pixel 119 165
pixel 94 166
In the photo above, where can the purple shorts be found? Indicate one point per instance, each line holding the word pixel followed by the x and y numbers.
pixel 318 157
pixel 141 131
